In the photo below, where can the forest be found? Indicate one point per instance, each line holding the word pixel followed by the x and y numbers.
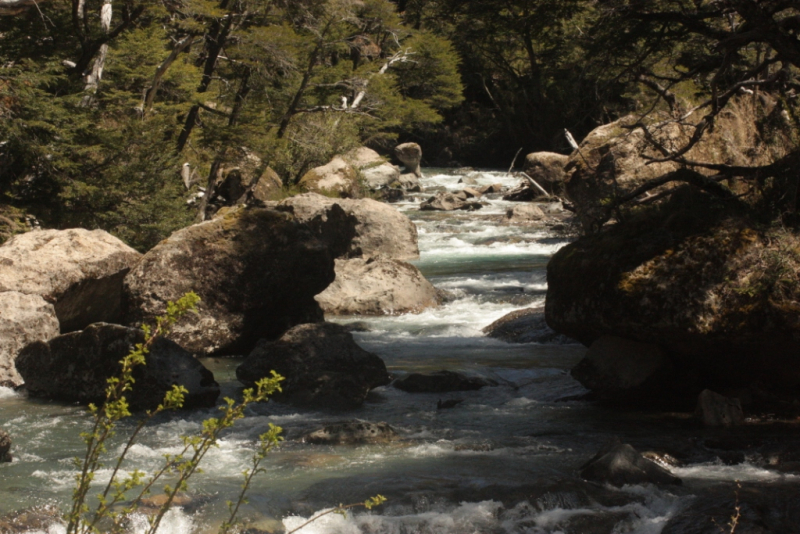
pixel 105 103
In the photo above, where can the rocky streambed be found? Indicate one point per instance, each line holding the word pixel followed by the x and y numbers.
pixel 499 447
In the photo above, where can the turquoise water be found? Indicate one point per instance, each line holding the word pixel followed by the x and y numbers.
pixel 504 460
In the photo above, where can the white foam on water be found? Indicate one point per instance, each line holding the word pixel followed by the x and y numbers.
pixel 466 518
pixel 744 472
pixel 175 521
pixel 9 393
pixel 646 517
pixel 462 318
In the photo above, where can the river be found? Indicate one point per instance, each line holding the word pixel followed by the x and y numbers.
pixel 505 460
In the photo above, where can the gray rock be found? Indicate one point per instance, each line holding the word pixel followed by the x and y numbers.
pixel 409 182
pixel 410 154
pixel 445 201
pixel 441 382
pixel 353 433
pixel 74 367
pixel 256 271
pixel 714 409
pixel 472 192
pixel 620 369
pixel 380 176
pixel 378 229
pixel 377 286
pixel 79 271
pixel 322 364
pixel 524 214
pixel 23 320
pixel 5 447
pixel 525 326
pixel 619 464
pixel 547 168
pixel 494 188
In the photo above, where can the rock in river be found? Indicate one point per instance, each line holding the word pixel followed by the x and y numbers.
pixel 75 366
pixel 78 271
pixel 322 365
pixel 441 382
pixel 619 464
pixel 352 433
pixel 256 271
pixel 378 229
pixel 23 320
pixel 377 286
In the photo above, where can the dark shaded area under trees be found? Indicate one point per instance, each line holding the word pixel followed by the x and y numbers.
pixel 102 103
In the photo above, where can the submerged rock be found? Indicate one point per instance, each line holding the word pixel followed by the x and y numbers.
pixel 353 433
pixel 256 271
pixel 79 271
pixel 714 409
pixel 619 464
pixel 74 367
pixel 322 364
pixel 525 326
pixel 441 382
pixel 23 320
pixel 377 286
pixel 5 446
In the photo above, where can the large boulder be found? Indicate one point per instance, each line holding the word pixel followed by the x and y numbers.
pixel 376 172
pixel 620 369
pixel 75 367
pixel 379 229
pixel 322 364
pixel 377 286
pixel 256 271
pixel 353 433
pixel 79 271
pixel 617 158
pixel 23 320
pixel 410 155
pixel 547 168
pixel 619 464
pixel 713 287
pixel 335 177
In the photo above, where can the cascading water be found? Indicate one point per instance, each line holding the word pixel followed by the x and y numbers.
pixel 504 460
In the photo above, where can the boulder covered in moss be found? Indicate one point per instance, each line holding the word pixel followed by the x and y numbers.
pixel 617 158
pixel 336 178
pixel 710 284
pixel 256 271
pixel 380 230
pixel 322 364
pixel 75 367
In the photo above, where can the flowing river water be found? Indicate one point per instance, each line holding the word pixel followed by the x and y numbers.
pixel 505 460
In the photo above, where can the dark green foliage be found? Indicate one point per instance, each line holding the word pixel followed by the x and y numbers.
pixel 201 83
